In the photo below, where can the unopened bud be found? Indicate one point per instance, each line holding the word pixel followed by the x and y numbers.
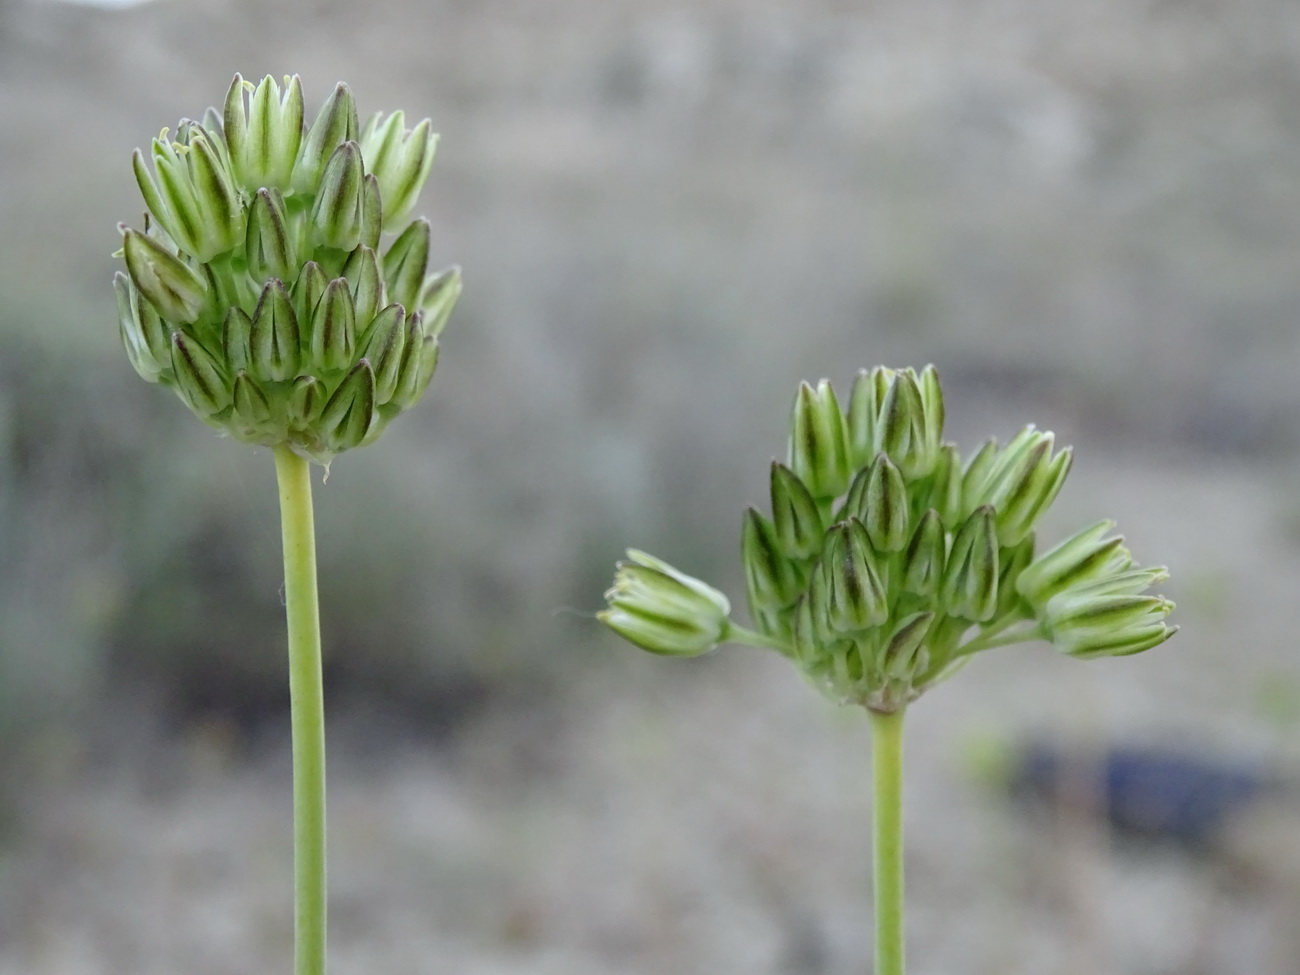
pixel 818 451
pixel 665 611
pixel 798 522
pixel 969 589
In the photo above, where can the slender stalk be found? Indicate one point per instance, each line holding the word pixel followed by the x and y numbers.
pixel 887 838
pixel 307 711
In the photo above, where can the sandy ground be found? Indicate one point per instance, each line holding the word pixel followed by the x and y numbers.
pixel 712 816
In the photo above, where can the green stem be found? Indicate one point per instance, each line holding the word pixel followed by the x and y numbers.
pixel 307 710
pixel 887 838
pixel 740 634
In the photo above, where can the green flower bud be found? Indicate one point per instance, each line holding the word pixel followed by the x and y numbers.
pixel 164 279
pixel 335 125
pixel 406 264
pixel 337 215
pixel 400 158
pixel 923 558
pixel 863 415
pixel 306 397
pixel 273 336
pixel 946 489
pixel 237 340
pixel 1106 625
pixel 372 212
pixel 903 427
pixel 252 414
pixel 345 419
pixel 799 525
pixel 439 297
pixel 665 611
pixel 886 512
pixel 772 582
pixel 931 409
pixel 1082 558
pixel 1014 561
pixel 308 290
pixel 132 330
pixel 1022 482
pixel 818 451
pixel 333 331
pixel 367 284
pixel 264 138
pixel 383 346
pixel 199 379
pixel 856 595
pixel 969 588
pixel 268 245
pixel 905 655
pixel 194 198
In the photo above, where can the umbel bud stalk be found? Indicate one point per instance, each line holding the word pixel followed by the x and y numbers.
pixel 261 289
pixel 887 560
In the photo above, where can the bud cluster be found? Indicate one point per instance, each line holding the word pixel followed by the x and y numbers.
pixel 887 561
pixel 259 289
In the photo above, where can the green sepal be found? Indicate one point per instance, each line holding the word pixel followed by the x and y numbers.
pixel 273 335
pixel 818 449
pixel 333 331
pixel 799 526
pixel 337 214
pixel 346 416
pixel 163 278
pixel 199 377
pixel 406 263
pixel 969 588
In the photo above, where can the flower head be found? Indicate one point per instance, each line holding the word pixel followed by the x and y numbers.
pixel 260 288
pixel 887 561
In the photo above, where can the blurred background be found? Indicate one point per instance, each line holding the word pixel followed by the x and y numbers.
pixel 1086 214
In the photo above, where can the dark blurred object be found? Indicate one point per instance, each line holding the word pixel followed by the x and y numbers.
pixel 1154 794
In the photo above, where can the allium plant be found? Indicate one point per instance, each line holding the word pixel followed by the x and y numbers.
pixel 887 562
pixel 278 288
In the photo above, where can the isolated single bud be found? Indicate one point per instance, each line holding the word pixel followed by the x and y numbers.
pixel 165 280
pixel 665 611
pixel 924 556
pixel 773 583
pixel 1108 625
pixel 798 523
pixel 269 247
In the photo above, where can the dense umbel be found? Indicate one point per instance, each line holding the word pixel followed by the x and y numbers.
pixel 258 289
pixel 887 561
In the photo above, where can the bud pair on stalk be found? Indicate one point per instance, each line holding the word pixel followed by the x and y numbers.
pixel 887 561
pixel 259 290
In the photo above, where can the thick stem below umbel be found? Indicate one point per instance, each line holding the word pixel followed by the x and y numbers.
pixel 887 837
pixel 307 710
